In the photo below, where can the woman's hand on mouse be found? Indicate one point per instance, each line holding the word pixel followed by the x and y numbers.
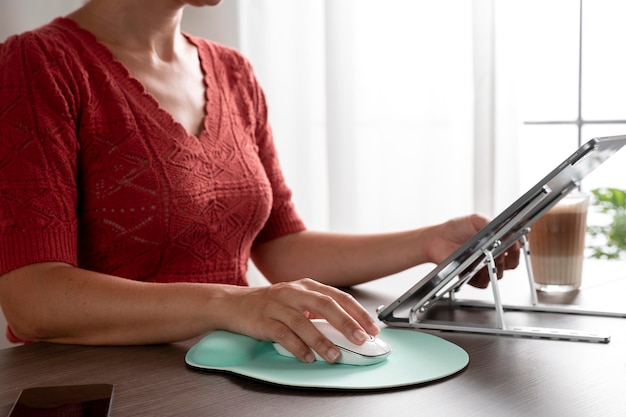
pixel 282 313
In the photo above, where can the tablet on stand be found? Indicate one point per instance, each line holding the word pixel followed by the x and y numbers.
pixel 511 226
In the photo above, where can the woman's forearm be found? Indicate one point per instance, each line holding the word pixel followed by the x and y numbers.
pixel 345 260
pixel 59 303
pixel 342 260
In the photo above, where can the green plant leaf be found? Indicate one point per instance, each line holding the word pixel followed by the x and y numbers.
pixel 610 201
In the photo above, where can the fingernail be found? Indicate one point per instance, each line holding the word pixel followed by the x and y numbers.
pixel 310 357
pixel 333 354
pixel 360 336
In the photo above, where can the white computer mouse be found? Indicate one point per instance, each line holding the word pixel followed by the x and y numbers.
pixel 374 350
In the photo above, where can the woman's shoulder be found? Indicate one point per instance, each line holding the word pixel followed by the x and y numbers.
pixel 46 38
pixel 58 57
pixel 49 47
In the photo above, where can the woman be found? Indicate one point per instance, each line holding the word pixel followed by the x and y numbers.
pixel 139 175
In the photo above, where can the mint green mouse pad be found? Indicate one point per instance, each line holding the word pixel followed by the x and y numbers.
pixel 416 358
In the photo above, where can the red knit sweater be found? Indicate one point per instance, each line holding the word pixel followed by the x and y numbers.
pixel 94 173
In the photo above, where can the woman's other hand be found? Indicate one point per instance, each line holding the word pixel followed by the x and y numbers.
pixel 454 233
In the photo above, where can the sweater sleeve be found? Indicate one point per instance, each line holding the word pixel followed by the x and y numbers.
pixel 38 150
pixel 283 218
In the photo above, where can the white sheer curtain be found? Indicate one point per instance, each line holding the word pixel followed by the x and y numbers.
pixel 372 106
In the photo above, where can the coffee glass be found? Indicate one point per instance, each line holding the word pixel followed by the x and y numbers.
pixel 557 244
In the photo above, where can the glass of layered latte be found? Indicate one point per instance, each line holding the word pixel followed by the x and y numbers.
pixel 557 244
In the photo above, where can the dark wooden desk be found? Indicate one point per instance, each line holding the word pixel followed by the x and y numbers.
pixel 505 377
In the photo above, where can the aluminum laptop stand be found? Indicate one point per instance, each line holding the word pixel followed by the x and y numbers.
pixel 500 327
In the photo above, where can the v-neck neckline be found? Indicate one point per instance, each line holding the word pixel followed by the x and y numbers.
pixel 124 76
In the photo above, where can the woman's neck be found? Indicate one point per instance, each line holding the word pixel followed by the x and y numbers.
pixel 140 26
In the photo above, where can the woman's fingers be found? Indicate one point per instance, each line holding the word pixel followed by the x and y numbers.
pixel 345 313
pixel 282 313
pixel 303 341
pixel 507 260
